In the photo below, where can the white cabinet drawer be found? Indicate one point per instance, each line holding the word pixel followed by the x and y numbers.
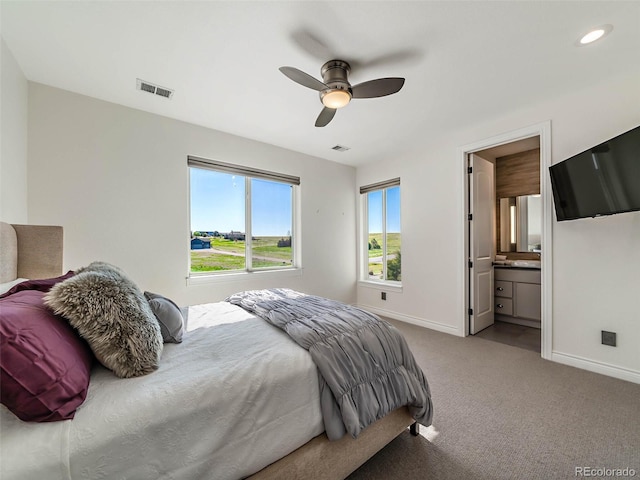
pixel 504 306
pixel 524 275
pixel 503 289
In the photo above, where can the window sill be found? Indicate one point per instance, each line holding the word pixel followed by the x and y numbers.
pixel 240 276
pixel 385 286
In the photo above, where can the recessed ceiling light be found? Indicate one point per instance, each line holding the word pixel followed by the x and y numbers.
pixel 595 34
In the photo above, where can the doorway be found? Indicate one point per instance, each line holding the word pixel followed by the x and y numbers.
pixel 475 299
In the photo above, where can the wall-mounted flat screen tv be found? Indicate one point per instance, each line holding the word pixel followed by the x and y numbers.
pixel 600 181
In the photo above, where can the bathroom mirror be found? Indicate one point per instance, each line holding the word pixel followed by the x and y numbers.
pixel 521 223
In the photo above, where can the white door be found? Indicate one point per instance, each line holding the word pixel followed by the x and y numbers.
pixel 482 201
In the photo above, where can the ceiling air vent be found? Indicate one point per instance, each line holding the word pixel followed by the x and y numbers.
pixel 340 148
pixel 151 88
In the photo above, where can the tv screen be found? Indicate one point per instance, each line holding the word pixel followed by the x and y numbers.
pixel 600 181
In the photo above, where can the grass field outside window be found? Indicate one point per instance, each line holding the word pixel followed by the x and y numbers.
pixel 241 219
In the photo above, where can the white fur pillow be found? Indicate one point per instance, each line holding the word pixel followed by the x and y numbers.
pixel 112 315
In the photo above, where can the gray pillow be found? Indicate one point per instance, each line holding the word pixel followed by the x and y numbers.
pixel 169 317
pixel 111 314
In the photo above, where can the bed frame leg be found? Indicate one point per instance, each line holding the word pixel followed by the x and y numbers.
pixel 415 429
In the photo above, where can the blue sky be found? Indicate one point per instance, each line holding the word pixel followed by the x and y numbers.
pixel 374 204
pixel 217 203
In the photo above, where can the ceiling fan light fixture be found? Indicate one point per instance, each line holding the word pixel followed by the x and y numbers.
pixel 335 89
pixel 335 98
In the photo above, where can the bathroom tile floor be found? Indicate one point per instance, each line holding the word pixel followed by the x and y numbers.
pixel 514 335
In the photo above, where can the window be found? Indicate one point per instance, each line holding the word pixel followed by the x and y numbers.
pixel 382 236
pixel 242 219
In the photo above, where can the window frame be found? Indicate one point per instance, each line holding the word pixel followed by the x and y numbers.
pixel 365 279
pixel 249 173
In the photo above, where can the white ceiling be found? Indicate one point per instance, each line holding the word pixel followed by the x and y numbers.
pixel 464 62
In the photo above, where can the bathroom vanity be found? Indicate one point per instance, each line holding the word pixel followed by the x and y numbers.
pixel 517 295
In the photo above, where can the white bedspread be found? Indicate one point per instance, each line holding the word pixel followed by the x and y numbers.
pixel 234 396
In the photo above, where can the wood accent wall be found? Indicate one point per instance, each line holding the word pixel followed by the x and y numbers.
pixel 517 174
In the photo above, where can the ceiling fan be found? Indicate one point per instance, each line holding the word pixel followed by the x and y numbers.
pixel 335 89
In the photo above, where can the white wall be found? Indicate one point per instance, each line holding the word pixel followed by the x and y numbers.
pixel 117 180
pixel 596 262
pixel 13 134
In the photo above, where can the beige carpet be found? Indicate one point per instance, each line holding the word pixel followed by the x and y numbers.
pixel 501 412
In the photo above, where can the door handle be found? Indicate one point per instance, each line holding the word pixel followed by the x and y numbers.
pixel 499 305
pixel 500 289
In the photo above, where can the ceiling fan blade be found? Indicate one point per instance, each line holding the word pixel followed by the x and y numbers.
pixel 391 58
pixel 302 78
pixel 326 115
pixel 377 88
pixel 311 43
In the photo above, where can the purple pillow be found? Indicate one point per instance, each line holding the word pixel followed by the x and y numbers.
pixel 44 365
pixel 42 285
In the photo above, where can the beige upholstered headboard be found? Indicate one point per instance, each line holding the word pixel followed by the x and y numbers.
pixel 30 251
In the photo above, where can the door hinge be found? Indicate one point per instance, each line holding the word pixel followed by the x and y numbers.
pixel 470 217
pixel 469 169
pixel 470 264
pixel 471 311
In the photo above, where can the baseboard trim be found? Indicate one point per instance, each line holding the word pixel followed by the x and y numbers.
pixel 602 368
pixel 440 327
pixel 597 367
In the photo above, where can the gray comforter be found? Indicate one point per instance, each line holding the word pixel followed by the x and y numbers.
pixel 365 364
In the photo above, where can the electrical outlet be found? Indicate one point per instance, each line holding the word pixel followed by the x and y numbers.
pixel 608 338
pixel 383 295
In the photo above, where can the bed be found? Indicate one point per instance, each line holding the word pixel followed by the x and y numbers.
pixel 237 398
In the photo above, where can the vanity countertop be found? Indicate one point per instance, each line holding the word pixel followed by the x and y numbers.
pixel 527 264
